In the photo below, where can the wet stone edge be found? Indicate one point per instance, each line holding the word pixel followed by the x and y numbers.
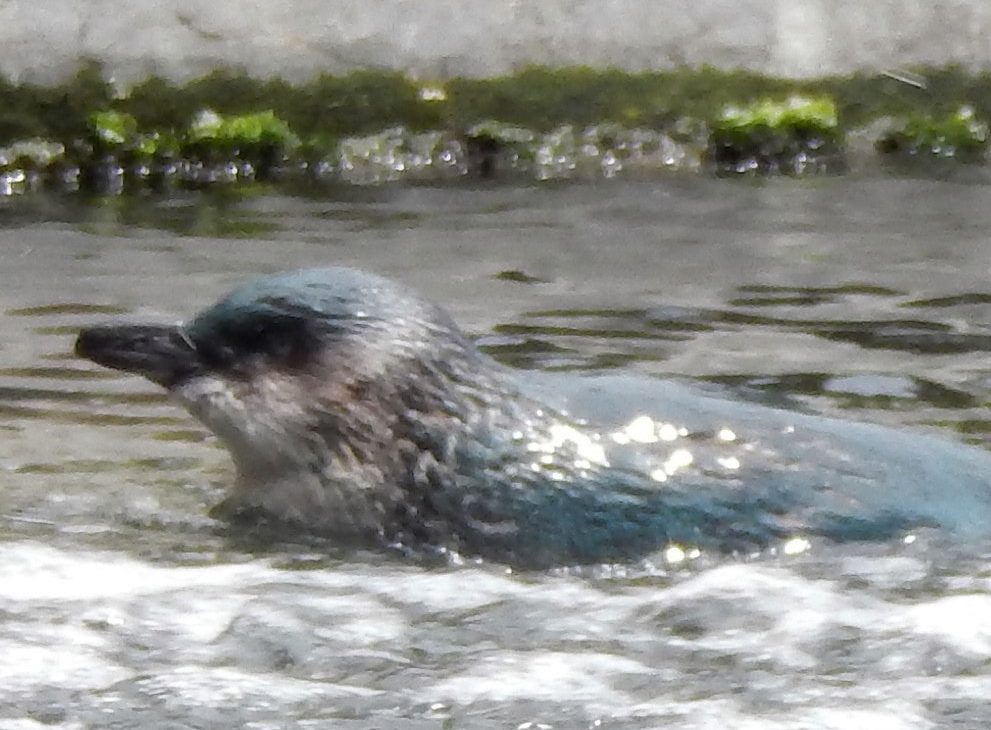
pixel 373 127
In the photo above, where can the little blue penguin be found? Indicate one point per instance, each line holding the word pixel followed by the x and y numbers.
pixel 355 409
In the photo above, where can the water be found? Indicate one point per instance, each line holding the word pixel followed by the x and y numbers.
pixel 122 605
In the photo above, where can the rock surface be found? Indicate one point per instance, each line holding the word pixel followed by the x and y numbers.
pixel 295 39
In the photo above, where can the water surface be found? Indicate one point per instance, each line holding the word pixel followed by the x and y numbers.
pixel 123 605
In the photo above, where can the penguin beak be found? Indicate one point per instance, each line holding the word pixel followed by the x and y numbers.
pixel 163 354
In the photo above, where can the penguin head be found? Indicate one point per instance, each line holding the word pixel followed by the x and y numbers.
pixel 333 352
pixel 295 323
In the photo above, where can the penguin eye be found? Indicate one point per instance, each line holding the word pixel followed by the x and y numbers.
pixel 277 341
pixel 282 340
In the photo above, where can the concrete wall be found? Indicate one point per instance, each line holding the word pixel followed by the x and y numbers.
pixel 44 40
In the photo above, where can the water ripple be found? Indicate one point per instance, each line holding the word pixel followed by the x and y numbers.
pixel 123 603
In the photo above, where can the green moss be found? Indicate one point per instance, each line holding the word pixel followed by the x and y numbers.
pixel 113 128
pixel 542 98
pixel 958 134
pixel 236 147
pixel 158 104
pixel 360 103
pixel 549 123
pixel 242 129
pixel 772 135
pixel 536 98
pixel 56 112
pixel 796 114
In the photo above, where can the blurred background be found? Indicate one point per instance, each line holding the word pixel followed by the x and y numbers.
pixel 436 39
